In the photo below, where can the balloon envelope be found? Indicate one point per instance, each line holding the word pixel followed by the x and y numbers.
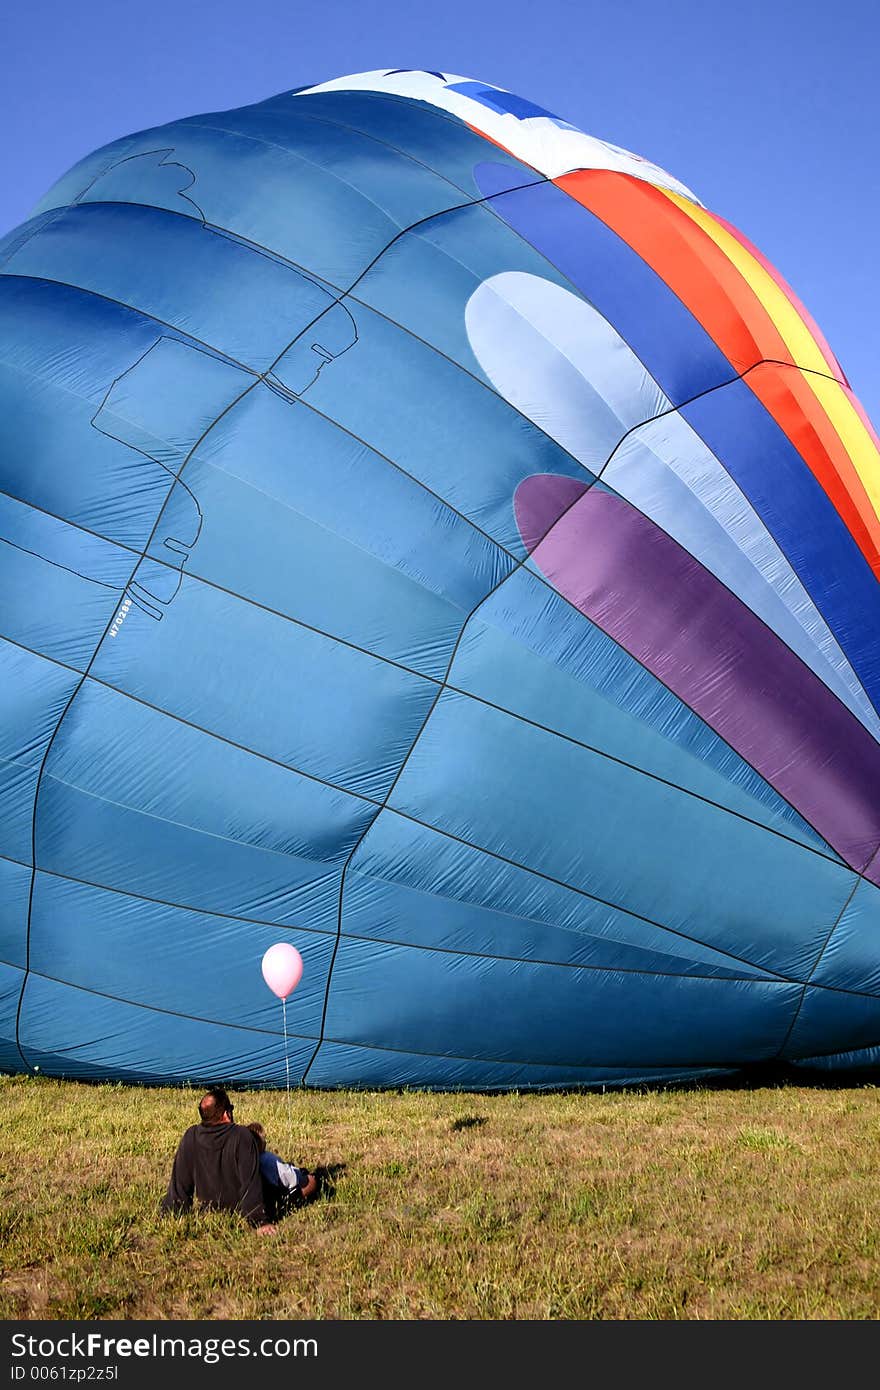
pixel 433 539
pixel 282 968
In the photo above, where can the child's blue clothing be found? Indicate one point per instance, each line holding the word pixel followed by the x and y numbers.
pixel 280 1174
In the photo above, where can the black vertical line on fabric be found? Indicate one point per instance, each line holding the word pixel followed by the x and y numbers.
pixel 861 876
pixel 258 378
pixel 359 841
pixel 442 687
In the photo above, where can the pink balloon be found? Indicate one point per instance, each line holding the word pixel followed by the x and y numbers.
pixel 282 968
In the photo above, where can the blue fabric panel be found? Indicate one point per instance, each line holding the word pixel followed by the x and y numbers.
pixel 102 941
pixel 168 398
pixel 52 610
pixel 18 787
pixel 88 838
pixel 15 887
pixel 254 545
pixel 198 822
pixel 589 1018
pixel 852 1021
pixel 340 1064
pixel 330 335
pixel 72 184
pixel 12 241
pixel 113 747
pixel 673 345
pixel 52 382
pixel 533 798
pixel 285 188
pixel 305 716
pixel 65 546
pixel 71 1032
pixel 278 200
pixel 851 960
pixel 449 260
pixel 351 176
pixel 252 190
pixel 396 394
pixel 383 911
pixel 63 334
pixel 801 517
pixel 209 283
pixel 527 650
pixel 146 175
pixel 398 855
pixel 11 980
pixel 33 694
pixel 423 132
pixel 270 445
pixel 866 1059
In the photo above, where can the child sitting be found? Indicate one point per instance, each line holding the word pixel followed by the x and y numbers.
pixel 285 1183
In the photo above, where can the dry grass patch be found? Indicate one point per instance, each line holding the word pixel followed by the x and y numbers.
pixel 719 1203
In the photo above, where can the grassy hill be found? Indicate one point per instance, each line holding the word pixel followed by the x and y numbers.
pixel 704 1203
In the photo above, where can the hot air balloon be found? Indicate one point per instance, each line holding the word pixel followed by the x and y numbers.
pixel 433 540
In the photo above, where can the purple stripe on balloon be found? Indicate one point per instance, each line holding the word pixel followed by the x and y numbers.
pixel 647 593
pixel 539 508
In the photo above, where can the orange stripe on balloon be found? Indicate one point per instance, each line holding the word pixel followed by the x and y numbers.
pixel 789 397
pixel 689 262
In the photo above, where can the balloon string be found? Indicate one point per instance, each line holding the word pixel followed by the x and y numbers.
pixel 287 1070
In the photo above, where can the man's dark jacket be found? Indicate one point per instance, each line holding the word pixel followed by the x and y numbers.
pixel 220 1164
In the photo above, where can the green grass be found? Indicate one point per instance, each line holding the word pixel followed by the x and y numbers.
pixel 714 1203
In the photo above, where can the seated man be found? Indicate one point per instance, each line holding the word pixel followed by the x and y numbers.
pixel 219 1162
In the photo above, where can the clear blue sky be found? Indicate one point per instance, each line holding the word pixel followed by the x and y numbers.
pixel 768 109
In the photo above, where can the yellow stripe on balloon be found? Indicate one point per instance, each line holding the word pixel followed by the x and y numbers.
pixel 803 347
pixel 801 344
pixel 851 430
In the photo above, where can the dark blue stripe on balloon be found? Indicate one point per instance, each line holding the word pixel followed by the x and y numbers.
pixel 800 516
pixel 676 350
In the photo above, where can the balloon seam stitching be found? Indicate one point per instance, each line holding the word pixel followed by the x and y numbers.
pixel 808 982
pixel 89 579
pixel 763 971
pixel 378 1047
pixel 486 704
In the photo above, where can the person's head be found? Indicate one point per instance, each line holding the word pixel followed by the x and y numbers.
pixel 257 1129
pixel 215 1107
